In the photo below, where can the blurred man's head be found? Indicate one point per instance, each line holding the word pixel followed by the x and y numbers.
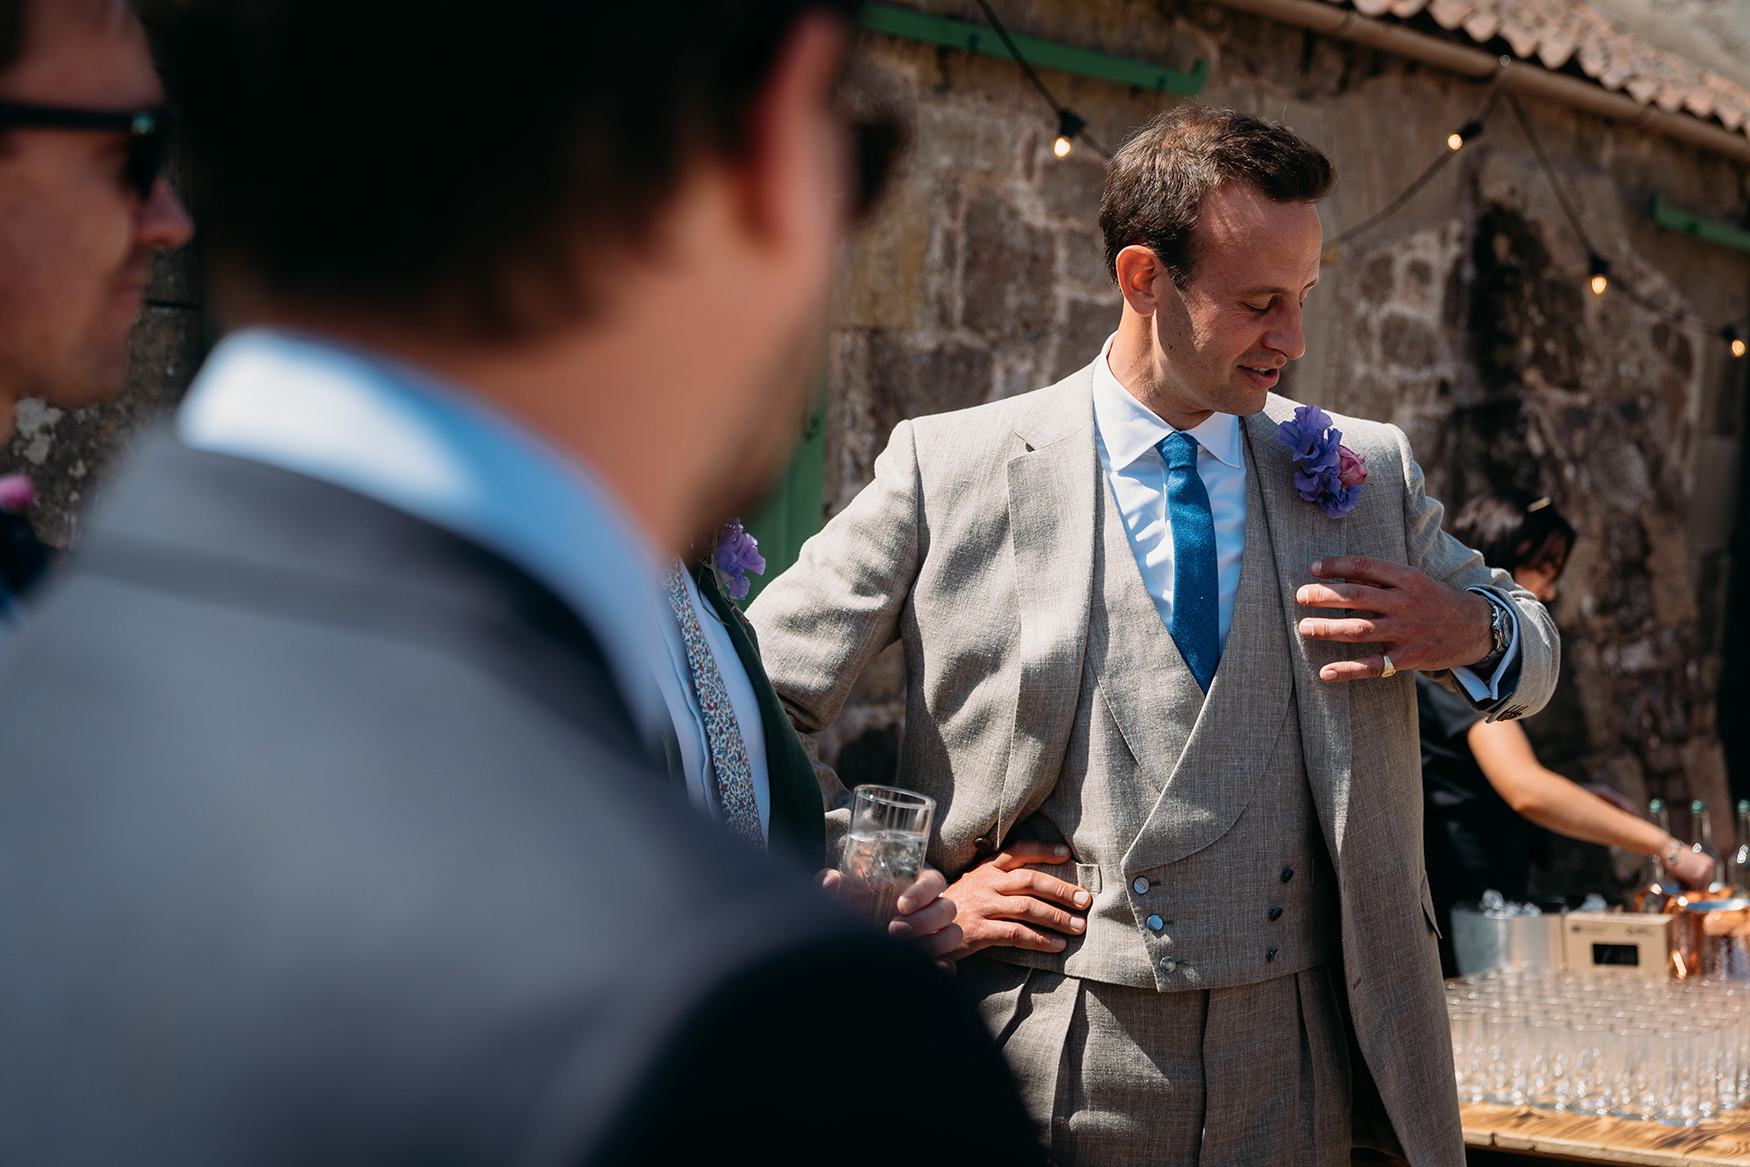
pixel 619 221
pixel 81 207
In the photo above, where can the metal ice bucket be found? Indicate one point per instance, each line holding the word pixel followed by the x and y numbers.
pixel 1711 939
pixel 1482 942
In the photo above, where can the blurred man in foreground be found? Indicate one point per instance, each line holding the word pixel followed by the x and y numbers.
pixel 334 826
pixel 82 207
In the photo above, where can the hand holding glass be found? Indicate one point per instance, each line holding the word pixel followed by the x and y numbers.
pixel 890 830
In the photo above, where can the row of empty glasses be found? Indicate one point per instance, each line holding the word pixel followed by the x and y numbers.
pixel 1602 1043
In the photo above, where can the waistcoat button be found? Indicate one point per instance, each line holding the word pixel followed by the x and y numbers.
pixel 1140 887
pixel 1155 924
pixel 1169 963
pixel 1287 874
pixel 983 843
pixel 1275 914
pixel 1271 955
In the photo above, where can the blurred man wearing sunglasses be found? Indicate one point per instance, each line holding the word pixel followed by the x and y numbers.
pixel 334 826
pixel 82 205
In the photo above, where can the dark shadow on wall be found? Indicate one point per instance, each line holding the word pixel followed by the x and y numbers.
pixel 1734 699
pixel 872 756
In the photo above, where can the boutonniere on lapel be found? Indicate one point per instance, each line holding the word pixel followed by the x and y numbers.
pixel 23 557
pixel 1326 471
pixel 736 553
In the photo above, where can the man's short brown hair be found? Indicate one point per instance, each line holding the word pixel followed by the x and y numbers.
pixel 1157 180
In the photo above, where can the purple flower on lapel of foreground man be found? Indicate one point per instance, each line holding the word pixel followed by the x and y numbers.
pixel 737 553
pixel 16 494
pixel 1326 471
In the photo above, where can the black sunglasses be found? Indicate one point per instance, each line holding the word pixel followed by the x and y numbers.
pixel 148 132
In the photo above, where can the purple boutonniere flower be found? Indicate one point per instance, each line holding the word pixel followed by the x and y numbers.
pixel 736 554
pixel 16 494
pixel 1326 471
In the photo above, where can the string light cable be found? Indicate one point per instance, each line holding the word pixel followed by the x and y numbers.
pixel 1465 133
pixel 1598 267
pixel 1598 272
pixel 1069 125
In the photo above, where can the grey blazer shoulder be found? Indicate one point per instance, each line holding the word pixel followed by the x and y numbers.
pixel 324 838
pixel 1395 482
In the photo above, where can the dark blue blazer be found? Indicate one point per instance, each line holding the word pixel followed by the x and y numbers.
pixel 324 839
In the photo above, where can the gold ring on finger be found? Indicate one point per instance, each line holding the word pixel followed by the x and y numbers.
pixel 1390 670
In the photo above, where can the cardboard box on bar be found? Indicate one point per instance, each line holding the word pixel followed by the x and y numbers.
pixel 1625 941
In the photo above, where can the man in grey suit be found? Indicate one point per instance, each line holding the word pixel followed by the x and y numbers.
pixel 333 825
pixel 1160 628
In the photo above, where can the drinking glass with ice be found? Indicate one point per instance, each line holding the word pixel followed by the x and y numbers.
pixel 890 830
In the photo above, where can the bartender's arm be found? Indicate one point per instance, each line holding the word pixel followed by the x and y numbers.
pixel 1546 798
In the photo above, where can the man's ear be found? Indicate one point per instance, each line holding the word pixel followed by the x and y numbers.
pixel 1139 271
pixel 796 163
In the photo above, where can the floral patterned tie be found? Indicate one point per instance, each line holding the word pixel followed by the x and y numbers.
pixel 722 733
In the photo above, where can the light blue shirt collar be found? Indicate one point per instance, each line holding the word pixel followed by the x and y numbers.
pixel 1131 429
pixel 385 430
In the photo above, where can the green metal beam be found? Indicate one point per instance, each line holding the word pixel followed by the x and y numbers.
pixel 972 38
pixel 1689 223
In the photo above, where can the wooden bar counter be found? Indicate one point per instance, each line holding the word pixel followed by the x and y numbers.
pixel 1524 1135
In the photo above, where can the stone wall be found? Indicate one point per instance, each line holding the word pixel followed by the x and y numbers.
pixel 1465 319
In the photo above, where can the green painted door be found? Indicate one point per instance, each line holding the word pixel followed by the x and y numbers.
pixel 797 505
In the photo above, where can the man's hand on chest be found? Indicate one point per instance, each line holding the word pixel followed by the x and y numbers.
pixel 1421 623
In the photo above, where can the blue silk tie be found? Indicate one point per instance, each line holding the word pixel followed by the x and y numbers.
pixel 1196 595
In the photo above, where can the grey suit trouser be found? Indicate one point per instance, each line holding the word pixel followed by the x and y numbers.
pixel 1124 1077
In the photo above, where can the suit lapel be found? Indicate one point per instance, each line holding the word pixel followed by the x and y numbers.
pixel 1054 486
pixel 1301 533
pixel 798 820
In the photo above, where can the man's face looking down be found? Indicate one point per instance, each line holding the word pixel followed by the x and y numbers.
pixel 1222 340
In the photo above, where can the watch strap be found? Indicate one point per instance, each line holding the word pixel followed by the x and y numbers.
pixel 1500 631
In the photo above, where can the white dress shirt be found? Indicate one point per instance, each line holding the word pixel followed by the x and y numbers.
pixel 365 422
pixel 1128 432
pixel 675 678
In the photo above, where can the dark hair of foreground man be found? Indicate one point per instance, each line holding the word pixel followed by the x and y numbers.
pixel 325 832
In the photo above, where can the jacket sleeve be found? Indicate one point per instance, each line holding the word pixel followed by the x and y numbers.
pixel 1442 557
pixel 821 622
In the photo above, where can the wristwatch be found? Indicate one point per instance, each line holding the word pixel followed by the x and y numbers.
pixel 1501 628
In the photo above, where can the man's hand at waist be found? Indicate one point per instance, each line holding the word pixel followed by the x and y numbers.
pixel 1422 623
pixel 1003 901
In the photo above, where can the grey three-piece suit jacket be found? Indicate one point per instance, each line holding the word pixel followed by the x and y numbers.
pixel 1046 699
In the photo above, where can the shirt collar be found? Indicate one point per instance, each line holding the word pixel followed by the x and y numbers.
pixel 1131 429
pixel 402 436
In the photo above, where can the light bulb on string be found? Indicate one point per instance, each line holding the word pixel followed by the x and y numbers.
pixel 1463 134
pixel 1734 341
pixel 1600 275
pixel 1068 126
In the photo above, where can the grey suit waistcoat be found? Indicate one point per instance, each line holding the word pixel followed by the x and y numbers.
pixel 1189 817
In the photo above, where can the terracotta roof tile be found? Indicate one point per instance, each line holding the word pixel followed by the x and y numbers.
pixel 1482 26
pixel 1559 32
pixel 1449 14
